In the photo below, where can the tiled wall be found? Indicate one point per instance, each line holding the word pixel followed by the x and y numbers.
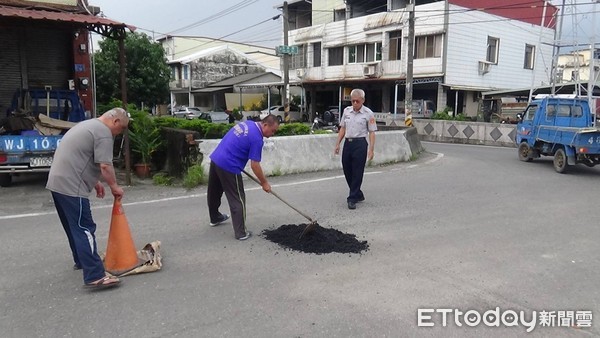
pixel 466 132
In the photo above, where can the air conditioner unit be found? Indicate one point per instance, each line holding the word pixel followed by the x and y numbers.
pixel 484 67
pixel 368 70
pixel 300 73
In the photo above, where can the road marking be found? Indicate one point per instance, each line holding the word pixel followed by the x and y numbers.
pixel 176 198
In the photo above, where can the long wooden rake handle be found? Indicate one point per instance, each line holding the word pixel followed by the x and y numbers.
pixel 281 199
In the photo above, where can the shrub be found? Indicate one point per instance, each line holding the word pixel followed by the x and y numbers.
pixel 292 129
pixel 162 179
pixel 194 176
pixel 145 136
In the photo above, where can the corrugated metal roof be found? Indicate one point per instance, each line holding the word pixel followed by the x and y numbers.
pixel 14 12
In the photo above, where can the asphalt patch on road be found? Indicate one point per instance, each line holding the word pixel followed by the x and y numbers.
pixel 319 241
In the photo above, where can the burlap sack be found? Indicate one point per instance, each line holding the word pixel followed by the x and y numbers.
pixel 151 257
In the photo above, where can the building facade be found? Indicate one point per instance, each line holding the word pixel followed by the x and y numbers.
pixel 461 48
pixel 198 62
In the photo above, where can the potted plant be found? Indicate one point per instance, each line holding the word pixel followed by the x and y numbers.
pixel 145 140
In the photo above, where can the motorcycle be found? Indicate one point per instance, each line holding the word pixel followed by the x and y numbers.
pixel 326 121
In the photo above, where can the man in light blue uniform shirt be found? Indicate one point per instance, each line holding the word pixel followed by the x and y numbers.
pixel 356 123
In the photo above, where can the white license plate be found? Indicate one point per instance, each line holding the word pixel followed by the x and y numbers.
pixel 40 161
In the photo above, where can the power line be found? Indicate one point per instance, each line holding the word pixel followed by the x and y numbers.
pixel 225 12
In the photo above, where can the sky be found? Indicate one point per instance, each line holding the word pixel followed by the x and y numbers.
pixel 249 21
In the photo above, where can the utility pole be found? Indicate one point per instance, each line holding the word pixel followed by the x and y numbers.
pixel 286 57
pixel 409 65
pixel 556 49
pixel 592 76
pixel 123 78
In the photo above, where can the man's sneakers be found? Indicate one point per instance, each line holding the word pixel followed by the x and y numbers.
pixel 245 237
pixel 223 218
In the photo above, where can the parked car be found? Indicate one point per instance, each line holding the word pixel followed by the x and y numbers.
pixel 279 111
pixel 189 113
pixel 215 117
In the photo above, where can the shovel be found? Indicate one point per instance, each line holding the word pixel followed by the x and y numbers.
pixel 310 227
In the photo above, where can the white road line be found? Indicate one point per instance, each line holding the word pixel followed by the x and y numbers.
pixel 37 214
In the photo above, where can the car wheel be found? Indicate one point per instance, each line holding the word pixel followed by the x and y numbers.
pixel 560 161
pixel 525 152
pixel 304 118
pixel 279 119
pixel 5 180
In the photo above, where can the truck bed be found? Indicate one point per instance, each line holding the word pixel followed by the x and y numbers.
pixel 588 137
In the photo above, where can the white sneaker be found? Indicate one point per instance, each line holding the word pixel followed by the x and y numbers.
pixel 224 217
pixel 248 235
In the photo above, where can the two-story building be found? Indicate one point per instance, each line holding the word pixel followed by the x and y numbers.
pixel 197 63
pixel 461 48
pixel 578 65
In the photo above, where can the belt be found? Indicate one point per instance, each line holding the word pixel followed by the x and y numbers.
pixel 350 139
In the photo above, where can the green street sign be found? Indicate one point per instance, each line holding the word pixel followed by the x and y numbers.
pixel 286 50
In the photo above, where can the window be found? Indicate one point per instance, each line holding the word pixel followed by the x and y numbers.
pixel 374 52
pixel 364 53
pixel 339 14
pixel 186 69
pixel 564 110
pixel 529 57
pixel 351 54
pixel 395 45
pixel 428 46
pixel 317 54
pixel 299 60
pixel 530 112
pixel 336 56
pixel 574 75
pixel 492 50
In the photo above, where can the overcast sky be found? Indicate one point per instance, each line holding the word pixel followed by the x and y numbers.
pixel 249 21
pixel 209 18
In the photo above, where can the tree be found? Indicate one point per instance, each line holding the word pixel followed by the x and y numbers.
pixel 146 67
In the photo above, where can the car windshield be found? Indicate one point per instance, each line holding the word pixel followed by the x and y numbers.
pixel 194 109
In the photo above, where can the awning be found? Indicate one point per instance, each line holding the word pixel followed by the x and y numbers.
pixel 267 84
pixel 467 88
pixel 103 26
pixel 210 89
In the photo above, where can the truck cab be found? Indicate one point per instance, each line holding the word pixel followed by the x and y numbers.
pixel 559 126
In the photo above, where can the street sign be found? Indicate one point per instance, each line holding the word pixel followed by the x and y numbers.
pixel 286 50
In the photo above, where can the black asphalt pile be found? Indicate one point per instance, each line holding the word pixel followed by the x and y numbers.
pixel 319 241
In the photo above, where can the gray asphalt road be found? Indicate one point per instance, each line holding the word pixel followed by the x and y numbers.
pixel 463 227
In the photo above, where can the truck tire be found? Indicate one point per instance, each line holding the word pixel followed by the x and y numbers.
pixel 560 161
pixel 5 180
pixel 525 152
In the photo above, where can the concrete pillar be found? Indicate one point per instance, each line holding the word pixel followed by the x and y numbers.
pixel 442 97
pixel 386 105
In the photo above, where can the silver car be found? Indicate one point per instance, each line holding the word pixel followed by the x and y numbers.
pixel 215 116
pixel 189 113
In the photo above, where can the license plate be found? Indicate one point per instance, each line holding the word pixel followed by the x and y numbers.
pixel 40 161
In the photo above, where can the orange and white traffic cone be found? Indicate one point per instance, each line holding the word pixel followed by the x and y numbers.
pixel 121 255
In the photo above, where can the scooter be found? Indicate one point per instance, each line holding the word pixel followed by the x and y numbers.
pixel 326 121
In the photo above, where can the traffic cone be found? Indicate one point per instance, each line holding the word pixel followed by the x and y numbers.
pixel 121 255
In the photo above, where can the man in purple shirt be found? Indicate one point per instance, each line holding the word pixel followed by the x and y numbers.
pixel 243 142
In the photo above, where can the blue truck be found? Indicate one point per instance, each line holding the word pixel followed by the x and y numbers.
pixel 31 133
pixel 559 126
